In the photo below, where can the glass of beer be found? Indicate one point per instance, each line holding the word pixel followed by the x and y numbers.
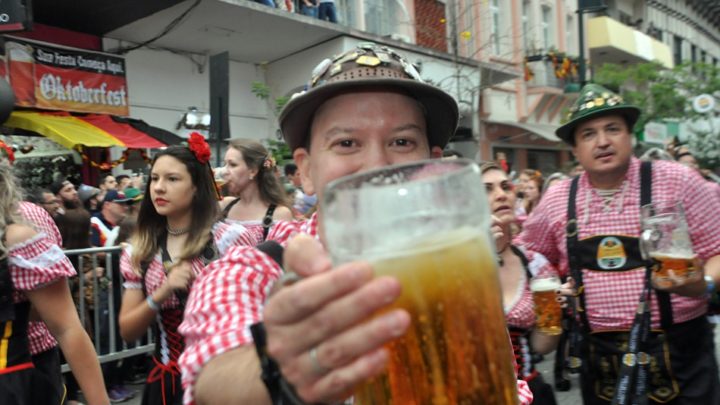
pixel 548 314
pixel 427 224
pixel 666 241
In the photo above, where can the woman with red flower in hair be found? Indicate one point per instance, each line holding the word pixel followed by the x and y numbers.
pixel 176 237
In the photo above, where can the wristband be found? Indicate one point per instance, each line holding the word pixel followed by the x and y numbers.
pixel 152 304
pixel 710 288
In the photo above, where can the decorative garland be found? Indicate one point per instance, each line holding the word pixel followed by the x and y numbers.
pixel 563 66
pixel 106 166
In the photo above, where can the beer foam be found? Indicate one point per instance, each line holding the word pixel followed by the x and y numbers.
pixel 545 284
pixel 672 255
pixel 433 243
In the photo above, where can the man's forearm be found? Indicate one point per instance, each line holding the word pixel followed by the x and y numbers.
pixel 237 372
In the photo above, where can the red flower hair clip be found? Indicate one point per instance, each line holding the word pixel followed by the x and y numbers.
pixel 8 151
pixel 199 147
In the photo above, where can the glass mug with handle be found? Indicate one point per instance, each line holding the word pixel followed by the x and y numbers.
pixel 427 224
pixel 548 313
pixel 665 240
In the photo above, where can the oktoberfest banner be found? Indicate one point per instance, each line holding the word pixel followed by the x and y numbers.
pixel 66 79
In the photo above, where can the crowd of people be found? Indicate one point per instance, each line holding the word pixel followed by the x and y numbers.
pixel 247 306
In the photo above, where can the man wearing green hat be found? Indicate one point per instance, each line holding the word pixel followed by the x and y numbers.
pixel 364 109
pixel 589 227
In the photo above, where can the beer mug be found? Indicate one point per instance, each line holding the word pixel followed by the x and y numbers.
pixel 548 314
pixel 427 224
pixel 666 241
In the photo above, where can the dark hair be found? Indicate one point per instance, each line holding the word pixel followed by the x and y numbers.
pixel 74 228
pixel 58 185
pixel 255 156
pixel 37 196
pixel 121 177
pixel 290 169
pixel 151 225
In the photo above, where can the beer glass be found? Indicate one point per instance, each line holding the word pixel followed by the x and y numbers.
pixel 427 224
pixel 665 240
pixel 548 314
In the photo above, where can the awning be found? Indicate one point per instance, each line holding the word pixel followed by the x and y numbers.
pixel 546 131
pixel 90 130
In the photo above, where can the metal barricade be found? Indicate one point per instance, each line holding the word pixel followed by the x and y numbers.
pixel 105 313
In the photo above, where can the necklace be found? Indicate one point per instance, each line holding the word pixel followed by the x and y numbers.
pixel 501 262
pixel 177 232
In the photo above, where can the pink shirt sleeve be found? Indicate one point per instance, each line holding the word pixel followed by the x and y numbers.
pixel 36 263
pixel 133 280
pixel 223 303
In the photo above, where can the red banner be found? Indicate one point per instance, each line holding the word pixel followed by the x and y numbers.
pixel 66 79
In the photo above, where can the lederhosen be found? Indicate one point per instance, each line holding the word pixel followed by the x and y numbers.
pixel 266 221
pixel 15 361
pixel 520 338
pixel 163 386
pixel 674 364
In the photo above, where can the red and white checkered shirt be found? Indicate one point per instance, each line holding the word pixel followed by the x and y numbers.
pixel 225 237
pixel 39 335
pixel 612 297
pixel 521 312
pixel 229 297
pixel 38 218
pixel 34 264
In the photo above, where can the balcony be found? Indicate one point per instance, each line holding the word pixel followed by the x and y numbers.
pixel 610 41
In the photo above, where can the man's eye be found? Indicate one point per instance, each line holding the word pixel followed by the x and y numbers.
pixel 346 143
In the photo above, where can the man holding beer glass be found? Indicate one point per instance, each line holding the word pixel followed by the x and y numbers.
pixel 365 109
pixel 637 332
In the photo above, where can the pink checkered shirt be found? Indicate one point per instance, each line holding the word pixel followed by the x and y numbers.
pixel 521 312
pixel 612 297
pixel 34 264
pixel 229 297
pixel 225 236
pixel 39 335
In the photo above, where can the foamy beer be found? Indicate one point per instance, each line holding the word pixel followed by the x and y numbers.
pixel 673 269
pixel 665 239
pixel 427 224
pixel 548 314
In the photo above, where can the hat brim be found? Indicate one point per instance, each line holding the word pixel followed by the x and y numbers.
pixel 567 131
pixel 123 201
pixel 441 110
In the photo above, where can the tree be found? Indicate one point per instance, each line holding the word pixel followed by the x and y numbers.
pixel 667 94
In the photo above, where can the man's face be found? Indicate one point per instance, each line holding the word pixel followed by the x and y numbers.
pixel 296 179
pixel 124 183
pixel 689 161
pixel 116 211
pixel 360 131
pixel 51 203
pixel 603 145
pixel 69 196
pixel 109 183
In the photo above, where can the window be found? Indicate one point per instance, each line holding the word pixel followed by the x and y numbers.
pixel 546 25
pixel 495 34
pixel 703 56
pixel 381 17
pixel 693 53
pixel 677 50
pixel 547 161
pixel 527 43
pixel 569 25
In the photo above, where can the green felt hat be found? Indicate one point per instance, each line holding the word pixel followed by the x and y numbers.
pixel 594 101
